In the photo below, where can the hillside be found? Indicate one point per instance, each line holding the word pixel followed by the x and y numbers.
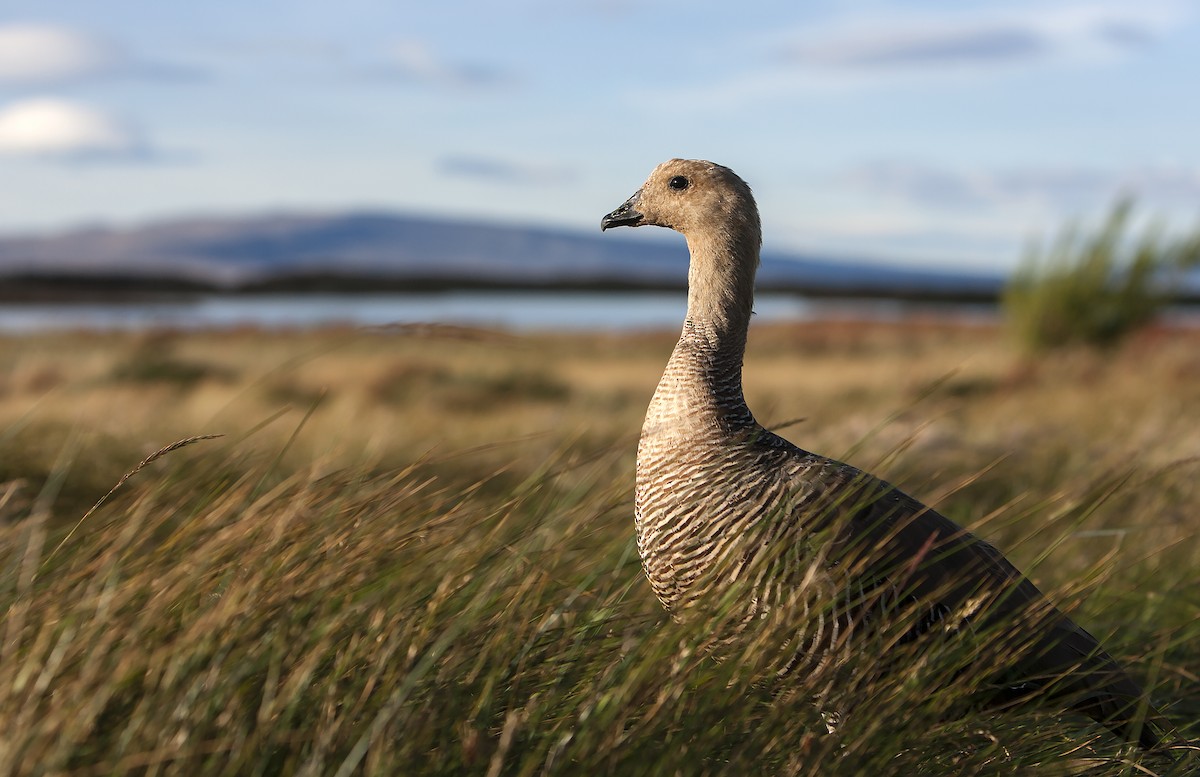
pixel 374 250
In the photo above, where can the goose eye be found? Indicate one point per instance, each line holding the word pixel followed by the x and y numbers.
pixel 678 183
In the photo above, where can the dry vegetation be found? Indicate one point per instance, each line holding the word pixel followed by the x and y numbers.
pixel 412 552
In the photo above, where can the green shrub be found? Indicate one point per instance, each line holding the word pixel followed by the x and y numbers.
pixel 1094 290
pixel 154 361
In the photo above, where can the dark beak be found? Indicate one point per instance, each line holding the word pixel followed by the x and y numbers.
pixel 625 216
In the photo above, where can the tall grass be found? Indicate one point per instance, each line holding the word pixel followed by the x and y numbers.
pixel 256 605
pixel 1096 289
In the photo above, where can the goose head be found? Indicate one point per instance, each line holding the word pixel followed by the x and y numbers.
pixel 693 197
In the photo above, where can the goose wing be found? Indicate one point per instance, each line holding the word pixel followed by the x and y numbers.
pixel 958 580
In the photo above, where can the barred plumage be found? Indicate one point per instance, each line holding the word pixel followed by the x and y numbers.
pixel 721 502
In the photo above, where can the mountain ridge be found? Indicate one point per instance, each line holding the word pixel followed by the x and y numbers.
pixel 264 251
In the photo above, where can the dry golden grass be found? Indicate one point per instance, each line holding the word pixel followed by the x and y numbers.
pixel 412 550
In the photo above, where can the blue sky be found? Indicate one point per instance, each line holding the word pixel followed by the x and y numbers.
pixel 914 131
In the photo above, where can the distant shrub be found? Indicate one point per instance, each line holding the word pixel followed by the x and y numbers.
pixel 154 361
pixel 1094 290
pixel 468 391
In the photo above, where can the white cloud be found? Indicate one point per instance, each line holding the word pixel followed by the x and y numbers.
pixel 986 38
pixel 928 212
pixel 883 49
pixel 55 128
pixel 414 61
pixel 504 171
pixel 41 53
pixel 1065 187
pixel 920 44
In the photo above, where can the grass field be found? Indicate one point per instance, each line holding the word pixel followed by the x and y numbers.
pixel 412 550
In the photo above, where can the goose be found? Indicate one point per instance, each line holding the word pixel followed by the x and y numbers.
pixel 721 501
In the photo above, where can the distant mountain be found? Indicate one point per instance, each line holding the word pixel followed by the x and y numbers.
pixel 383 250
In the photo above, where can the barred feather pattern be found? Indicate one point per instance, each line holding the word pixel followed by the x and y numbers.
pixel 723 505
pixel 718 495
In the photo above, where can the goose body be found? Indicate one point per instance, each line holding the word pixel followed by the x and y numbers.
pixel 721 501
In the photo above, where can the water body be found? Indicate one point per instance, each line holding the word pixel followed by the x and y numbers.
pixel 521 311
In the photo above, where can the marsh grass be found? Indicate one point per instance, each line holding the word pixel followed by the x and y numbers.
pixel 352 582
pixel 1095 289
pixel 154 361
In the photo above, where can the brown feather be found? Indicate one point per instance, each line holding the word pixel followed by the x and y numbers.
pixel 720 501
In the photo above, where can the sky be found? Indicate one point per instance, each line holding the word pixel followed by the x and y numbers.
pixel 914 131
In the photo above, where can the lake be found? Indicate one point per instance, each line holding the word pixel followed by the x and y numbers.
pixel 522 311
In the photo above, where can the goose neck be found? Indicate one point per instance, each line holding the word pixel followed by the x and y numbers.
pixel 721 291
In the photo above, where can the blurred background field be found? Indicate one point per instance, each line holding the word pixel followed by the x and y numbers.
pixel 412 551
pixel 395 394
